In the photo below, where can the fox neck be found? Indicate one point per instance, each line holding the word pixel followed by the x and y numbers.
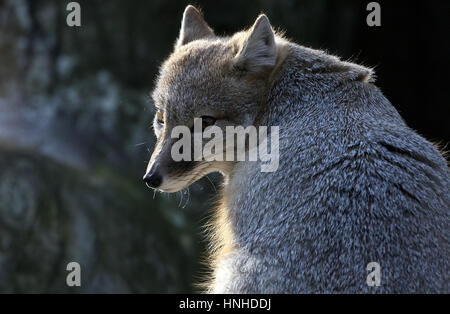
pixel 223 229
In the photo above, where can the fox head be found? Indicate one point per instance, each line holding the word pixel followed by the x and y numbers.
pixel 222 80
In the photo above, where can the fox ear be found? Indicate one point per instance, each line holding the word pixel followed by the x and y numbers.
pixel 193 26
pixel 259 51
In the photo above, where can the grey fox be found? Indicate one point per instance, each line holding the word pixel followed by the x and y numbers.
pixel 354 185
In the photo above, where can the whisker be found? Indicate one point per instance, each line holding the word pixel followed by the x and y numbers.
pixel 188 198
pixel 181 198
pixel 215 190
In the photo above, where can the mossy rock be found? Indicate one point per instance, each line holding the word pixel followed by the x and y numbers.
pixel 51 214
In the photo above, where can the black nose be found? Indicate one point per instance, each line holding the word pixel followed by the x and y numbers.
pixel 153 179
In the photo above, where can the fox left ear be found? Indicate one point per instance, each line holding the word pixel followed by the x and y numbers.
pixel 193 26
pixel 260 50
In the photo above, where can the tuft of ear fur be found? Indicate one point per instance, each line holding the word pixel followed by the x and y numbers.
pixel 259 51
pixel 193 26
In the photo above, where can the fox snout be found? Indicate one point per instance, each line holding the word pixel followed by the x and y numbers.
pixel 153 178
pixel 170 176
pixel 165 174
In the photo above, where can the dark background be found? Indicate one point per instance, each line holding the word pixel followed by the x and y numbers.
pixel 75 127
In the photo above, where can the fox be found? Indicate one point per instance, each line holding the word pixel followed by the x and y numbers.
pixel 354 185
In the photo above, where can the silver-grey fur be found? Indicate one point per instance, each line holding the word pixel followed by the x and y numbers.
pixel 354 185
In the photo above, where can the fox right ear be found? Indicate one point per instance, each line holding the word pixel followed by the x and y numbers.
pixel 193 26
pixel 259 50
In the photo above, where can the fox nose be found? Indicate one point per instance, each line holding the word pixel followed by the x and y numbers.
pixel 152 179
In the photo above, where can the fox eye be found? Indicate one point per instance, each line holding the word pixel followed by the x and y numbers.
pixel 159 117
pixel 207 121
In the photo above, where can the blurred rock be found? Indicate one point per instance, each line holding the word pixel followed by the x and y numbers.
pixel 51 214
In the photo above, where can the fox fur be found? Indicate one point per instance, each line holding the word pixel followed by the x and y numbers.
pixel 354 185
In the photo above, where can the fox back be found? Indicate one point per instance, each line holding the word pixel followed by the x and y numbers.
pixel 354 185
